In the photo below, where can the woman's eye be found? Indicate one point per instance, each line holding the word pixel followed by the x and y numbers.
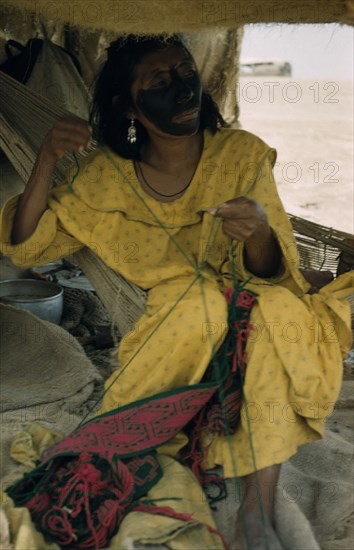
pixel 158 84
pixel 189 73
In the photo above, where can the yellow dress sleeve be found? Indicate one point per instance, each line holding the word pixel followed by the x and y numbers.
pixel 48 243
pixel 263 190
pixel 64 228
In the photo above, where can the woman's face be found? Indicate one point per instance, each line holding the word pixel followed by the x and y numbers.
pixel 167 92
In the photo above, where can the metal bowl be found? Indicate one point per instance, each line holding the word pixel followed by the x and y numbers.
pixel 39 297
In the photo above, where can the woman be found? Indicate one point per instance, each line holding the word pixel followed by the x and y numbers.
pixel 160 203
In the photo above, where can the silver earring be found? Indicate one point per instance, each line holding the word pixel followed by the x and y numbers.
pixel 131 138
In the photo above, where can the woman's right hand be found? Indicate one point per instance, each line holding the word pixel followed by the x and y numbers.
pixel 69 134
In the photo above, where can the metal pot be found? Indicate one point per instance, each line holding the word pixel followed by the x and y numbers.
pixel 39 297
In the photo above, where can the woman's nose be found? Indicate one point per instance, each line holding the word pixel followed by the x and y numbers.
pixel 185 94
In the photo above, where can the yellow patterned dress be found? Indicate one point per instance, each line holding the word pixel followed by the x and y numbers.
pixel 178 252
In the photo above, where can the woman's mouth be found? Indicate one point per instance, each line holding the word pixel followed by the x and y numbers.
pixel 186 116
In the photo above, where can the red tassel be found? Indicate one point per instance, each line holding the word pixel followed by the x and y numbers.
pixel 79 481
pixel 171 513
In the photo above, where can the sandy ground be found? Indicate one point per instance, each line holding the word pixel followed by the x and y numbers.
pixel 310 123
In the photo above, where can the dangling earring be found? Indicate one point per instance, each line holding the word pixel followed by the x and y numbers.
pixel 131 138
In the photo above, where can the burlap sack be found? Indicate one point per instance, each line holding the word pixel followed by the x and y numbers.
pixel 44 376
pixel 39 361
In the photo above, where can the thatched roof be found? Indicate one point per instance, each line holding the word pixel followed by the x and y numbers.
pixel 151 16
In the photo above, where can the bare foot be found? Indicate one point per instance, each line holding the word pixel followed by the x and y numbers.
pixel 254 534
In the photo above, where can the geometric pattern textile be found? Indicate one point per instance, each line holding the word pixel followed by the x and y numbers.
pixel 86 483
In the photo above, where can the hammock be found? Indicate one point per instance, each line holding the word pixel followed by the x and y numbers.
pixel 25 118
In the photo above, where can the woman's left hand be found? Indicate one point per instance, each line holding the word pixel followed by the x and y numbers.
pixel 244 220
pixel 242 217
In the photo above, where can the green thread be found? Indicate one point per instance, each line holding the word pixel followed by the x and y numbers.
pixel 199 277
pixel 117 167
pixel 260 503
pixel 149 501
pixel 71 182
pixel 138 350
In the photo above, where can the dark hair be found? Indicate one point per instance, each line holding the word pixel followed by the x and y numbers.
pixel 112 98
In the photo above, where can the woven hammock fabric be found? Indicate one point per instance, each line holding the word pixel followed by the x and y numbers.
pixel 24 113
pixel 154 16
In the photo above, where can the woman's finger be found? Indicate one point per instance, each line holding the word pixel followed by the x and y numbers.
pixel 69 134
pixel 241 207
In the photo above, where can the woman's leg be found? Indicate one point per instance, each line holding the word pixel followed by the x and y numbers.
pixel 255 527
pixel 171 345
pixel 292 379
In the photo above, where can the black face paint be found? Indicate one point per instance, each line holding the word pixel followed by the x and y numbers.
pixel 161 105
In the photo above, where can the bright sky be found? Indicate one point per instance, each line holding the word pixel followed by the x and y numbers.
pixel 314 51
